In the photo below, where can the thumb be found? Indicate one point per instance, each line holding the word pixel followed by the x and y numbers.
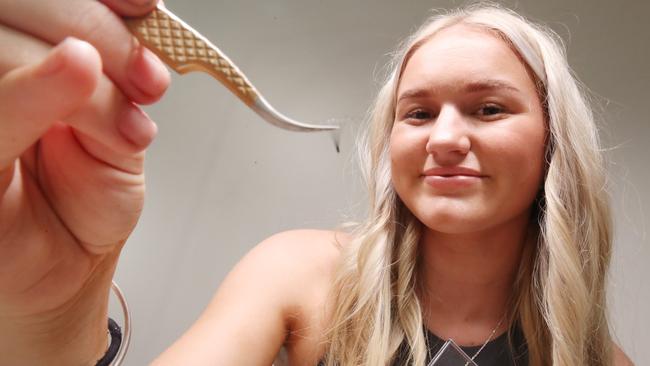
pixel 33 97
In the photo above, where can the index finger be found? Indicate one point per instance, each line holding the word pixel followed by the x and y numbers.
pixel 131 7
pixel 137 71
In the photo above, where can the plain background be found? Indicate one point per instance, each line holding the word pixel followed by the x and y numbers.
pixel 220 179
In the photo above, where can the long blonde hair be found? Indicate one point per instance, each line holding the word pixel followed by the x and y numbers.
pixel 559 297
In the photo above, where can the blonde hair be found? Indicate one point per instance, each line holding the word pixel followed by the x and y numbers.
pixel 559 294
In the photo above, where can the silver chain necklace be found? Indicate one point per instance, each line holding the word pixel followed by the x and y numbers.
pixel 489 338
pixel 451 351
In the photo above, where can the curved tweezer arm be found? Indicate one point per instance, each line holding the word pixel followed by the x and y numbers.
pixel 185 50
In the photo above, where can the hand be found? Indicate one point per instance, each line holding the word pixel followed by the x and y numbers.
pixel 72 146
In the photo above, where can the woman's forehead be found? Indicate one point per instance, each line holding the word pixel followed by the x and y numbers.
pixel 463 55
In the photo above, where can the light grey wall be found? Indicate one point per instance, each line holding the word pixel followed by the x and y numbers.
pixel 220 180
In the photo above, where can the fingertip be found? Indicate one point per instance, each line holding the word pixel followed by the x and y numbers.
pixel 35 96
pixel 55 87
pixel 149 76
pixel 75 61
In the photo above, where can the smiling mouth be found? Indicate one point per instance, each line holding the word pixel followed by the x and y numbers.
pixel 452 176
pixel 450 172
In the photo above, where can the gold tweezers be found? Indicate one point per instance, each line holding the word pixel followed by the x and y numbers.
pixel 184 49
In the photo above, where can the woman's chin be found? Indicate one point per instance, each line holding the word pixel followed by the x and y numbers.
pixel 458 220
pixel 454 216
pixel 447 224
pixel 469 221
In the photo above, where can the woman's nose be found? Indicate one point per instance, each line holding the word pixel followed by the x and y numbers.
pixel 449 137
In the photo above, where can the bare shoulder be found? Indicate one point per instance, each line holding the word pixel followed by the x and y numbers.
pixel 303 267
pixel 293 261
pixel 311 258
pixel 308 252
pixel 276 288
pixel 297 266
pixel 620 358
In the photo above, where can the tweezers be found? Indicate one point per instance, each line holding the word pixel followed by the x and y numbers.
pixel 184 50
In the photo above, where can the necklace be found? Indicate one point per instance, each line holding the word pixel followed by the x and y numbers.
pixel 489 338
pixel 452 354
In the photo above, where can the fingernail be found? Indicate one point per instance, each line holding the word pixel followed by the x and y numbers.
pixel 136 126
pixel 148 73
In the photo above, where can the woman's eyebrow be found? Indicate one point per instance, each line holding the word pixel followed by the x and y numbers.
pixel 489 84
pixel 470 87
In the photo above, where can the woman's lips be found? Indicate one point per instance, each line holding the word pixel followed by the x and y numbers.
pixel 452 177
pixel 454 181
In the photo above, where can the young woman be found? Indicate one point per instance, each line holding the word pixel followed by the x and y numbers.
pixel 488 220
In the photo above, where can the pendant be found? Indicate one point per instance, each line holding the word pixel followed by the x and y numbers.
pixel 451 355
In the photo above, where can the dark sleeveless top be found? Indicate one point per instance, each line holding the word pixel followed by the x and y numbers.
pixel 496 353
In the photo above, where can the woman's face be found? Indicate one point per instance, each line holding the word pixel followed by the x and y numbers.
pixel 467 144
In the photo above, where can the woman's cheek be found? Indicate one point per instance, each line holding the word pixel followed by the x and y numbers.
pixel 406 160
pixel 520 169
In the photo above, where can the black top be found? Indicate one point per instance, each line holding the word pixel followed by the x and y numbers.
pixel 496 353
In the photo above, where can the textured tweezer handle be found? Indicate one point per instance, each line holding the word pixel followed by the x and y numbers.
pixel 185 50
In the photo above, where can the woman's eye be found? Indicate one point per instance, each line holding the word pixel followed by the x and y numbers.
pixel 418 114
pixel 490 110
